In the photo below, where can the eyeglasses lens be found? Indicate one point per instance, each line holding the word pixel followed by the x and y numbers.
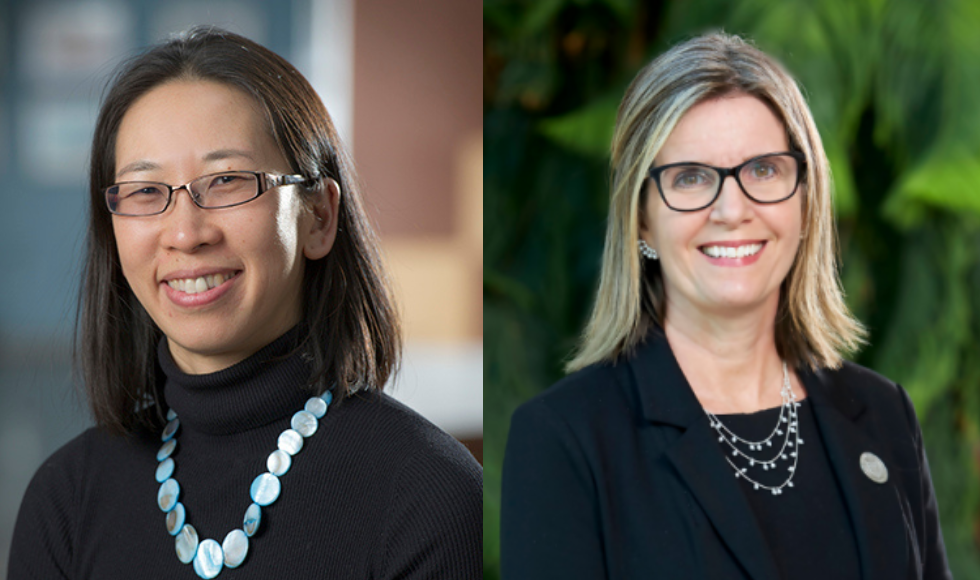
pixel 225 189
pixel 212 191
pixel 766 179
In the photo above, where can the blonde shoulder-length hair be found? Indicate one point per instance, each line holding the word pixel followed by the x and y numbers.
pixel 813 325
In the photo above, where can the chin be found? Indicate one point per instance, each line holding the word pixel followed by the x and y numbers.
pixel 206 340
pixel 737 300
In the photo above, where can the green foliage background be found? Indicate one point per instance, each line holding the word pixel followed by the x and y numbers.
pixel 895 88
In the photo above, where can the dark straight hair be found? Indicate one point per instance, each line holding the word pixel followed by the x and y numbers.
pixel 349 328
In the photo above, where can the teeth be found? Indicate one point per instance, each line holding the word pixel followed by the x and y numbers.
pixel 730 252
pixel 202 284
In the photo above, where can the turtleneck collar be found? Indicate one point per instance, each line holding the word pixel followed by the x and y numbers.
pixel 265 387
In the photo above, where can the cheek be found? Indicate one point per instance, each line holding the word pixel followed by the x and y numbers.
pixel 650 216
pixel 131 245
pixel 793 220
pixel 287 220
pixel 281 242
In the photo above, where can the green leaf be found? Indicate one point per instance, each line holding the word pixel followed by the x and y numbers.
pixel 845 193
pixel 947 181
pixel 931 326
pixel 541 16
pixel 588 130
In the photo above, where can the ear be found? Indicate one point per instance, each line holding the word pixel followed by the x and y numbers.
pixel 323 227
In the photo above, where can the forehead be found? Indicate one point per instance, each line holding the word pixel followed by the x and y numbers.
pixel 725 131
pixel 187 119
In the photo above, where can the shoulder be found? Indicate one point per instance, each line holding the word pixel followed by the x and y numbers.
pixel 400 450
pixel 584 396
pixel 430 486
pixel 858 390
pixel 577 396
pixel 72 471
pixel 862 384
pixel 48 523
pixel 383 425
pixel 871 382
pixel 579 415
pixel 94 448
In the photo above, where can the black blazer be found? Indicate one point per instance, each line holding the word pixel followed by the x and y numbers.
pixel 615 472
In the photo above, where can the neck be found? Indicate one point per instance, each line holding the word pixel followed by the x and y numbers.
pixel 263 388
pixel 730 362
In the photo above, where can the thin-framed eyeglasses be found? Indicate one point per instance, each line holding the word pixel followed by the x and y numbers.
pixel 212 191
pixel 769 178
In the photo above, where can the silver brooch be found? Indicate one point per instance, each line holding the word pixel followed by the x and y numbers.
pixel 874 467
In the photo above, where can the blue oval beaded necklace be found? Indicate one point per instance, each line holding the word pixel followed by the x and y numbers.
pixel 208 556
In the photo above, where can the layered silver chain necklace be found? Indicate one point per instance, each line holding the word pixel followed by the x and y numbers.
pixel 777 451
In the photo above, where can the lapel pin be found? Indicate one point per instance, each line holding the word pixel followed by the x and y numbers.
pixel 874 467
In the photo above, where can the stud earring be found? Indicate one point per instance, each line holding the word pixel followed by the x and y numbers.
pixel 647 251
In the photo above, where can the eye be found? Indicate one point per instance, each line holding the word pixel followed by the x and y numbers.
pixel 762 170
pixel 228 179
pixel 139 190
pixel 691 178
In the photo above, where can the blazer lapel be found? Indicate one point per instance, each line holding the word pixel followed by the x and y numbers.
pixel 666 397
pixel 875 508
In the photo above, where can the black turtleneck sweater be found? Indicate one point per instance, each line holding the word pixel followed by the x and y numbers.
pixel 377 492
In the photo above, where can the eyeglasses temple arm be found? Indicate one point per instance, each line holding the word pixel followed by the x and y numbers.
pixel 278 180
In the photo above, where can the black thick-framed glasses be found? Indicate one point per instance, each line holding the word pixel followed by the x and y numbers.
pixel 212 191
pixel 769 178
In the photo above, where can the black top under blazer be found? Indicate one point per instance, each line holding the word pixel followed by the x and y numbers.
pixel 615 473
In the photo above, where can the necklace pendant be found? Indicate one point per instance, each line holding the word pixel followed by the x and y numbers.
pixel 253 516
pixel 234 548
pixel 209 559
pixel 186 544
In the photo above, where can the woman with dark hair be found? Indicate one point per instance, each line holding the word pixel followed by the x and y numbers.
pixel 232 293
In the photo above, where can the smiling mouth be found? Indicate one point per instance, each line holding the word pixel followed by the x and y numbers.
pixel 731 251
pixel 201 284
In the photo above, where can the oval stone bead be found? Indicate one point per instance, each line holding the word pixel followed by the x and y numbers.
pixel 317 406
pixel 278 462
pixel 304 423
pixel 290 441
pixel 265 489
pixel 170 430
pixel 175 519
pixel 253 516
pixel 327 397
pixel 186 544
pixel 171 414
pixel 166 450
pixel 209 559
pixel 165 469
pixel 235 547
pixel 167 496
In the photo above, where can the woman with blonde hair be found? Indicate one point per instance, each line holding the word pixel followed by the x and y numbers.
pixel 709 426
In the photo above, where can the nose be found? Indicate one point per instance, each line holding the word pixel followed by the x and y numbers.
pixel 187 227
pixel 732 207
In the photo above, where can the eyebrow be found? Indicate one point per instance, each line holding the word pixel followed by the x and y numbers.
pixel 217 155
pixel 222 154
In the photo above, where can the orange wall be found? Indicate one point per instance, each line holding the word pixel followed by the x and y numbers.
pixel 417 127
pixel 418 94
